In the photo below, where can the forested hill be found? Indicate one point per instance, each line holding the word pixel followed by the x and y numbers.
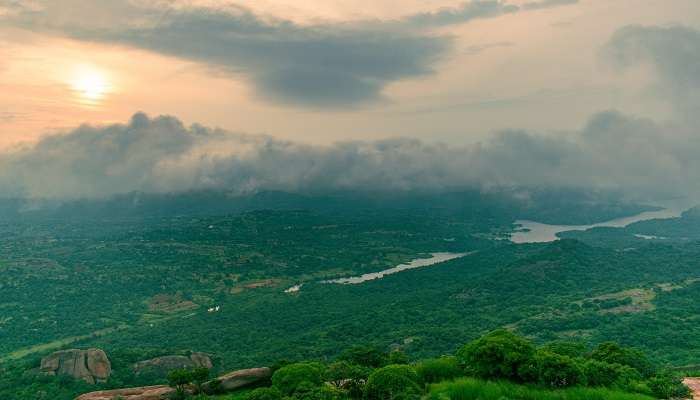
pixel 547 206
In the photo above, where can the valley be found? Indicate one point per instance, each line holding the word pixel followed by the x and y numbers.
pixel 418 280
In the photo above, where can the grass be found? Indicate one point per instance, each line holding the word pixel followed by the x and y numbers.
pixel 474 389
pixel 56 344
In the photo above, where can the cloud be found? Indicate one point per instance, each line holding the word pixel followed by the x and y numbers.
pixel 465 13
pixel 539 5
pixel 612 152
pixel 675 54
pixel 318 66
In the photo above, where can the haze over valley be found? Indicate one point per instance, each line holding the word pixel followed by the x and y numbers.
pixel 334 200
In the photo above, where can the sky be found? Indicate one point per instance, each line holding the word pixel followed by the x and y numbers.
pixel 99 97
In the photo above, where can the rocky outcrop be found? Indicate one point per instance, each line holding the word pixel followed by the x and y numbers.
pixel 140 393
pixel 160 366
pixel 90 365
pixel 239 379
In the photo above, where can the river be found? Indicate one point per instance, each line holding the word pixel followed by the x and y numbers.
pixel 434 258
pixel 536 232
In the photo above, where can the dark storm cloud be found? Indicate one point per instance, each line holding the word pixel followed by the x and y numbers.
pixel 321 66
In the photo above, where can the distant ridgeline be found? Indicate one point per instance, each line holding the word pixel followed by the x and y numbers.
pixel 546 206
pixel 500 365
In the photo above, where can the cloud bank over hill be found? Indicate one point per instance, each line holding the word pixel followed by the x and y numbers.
pixel 612 152
pixel 643 158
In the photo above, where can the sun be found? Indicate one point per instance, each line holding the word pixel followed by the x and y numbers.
pixel 90 85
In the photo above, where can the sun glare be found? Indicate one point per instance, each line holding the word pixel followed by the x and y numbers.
pixel 90 85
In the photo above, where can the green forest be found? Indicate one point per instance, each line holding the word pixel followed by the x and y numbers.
pixel 143 287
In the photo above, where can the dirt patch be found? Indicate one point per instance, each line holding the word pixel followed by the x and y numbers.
pixel 694 385
pixel 170 304
pixel 260 284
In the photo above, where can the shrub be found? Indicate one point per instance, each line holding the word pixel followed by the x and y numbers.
pixel 667 385
pixel 555 370
pixel 392 382
pixel 264 394
pixel 613 353
pixel 599 373
pixel 571 349
pixel 288 378
pixel 438 369
pixel 179 379
pixel 341 373
pixel 397 357
pixel 500 354
pixel 307 391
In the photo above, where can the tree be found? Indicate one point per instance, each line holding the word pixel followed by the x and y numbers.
pixel 573 349
pixel 367 356
pixel 555 370
pixel 392 382
pixel 600 373
pixel 179 379
pixel 499 355
pixel 613 353
pixel 288 378
pixel 199 376
pixel 264 394
pixel 397 357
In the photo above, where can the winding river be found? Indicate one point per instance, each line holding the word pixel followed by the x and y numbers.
pixel 535 232
pixel 434 258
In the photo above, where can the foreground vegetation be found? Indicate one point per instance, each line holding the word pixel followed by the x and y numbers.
pixel 497 366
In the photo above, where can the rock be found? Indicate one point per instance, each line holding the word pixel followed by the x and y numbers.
pixel 90 365
pixel 160 392
pixel 238 379
pixel 160 366
pixel 201 360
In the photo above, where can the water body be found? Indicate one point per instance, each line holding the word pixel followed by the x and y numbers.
pixel 535 232
pixel 434 258
pixel 418 263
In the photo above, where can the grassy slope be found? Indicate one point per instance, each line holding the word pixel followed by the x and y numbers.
pixel 473 389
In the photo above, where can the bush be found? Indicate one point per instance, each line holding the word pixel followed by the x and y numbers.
pixel 667 385
pixel 307 391
pixel 613 353
pixel 264 394
pixel 288 378
pixel 554 370
pixel 397 357
pixel 599 373
pixel 498 355
pixel 392 382
pixel 179 379
pixel 571 349
pixel 438 369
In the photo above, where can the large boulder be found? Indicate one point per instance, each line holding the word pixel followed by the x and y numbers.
pixel 90 365
pixel 160 366
pixel 160 392
pixel 239 379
